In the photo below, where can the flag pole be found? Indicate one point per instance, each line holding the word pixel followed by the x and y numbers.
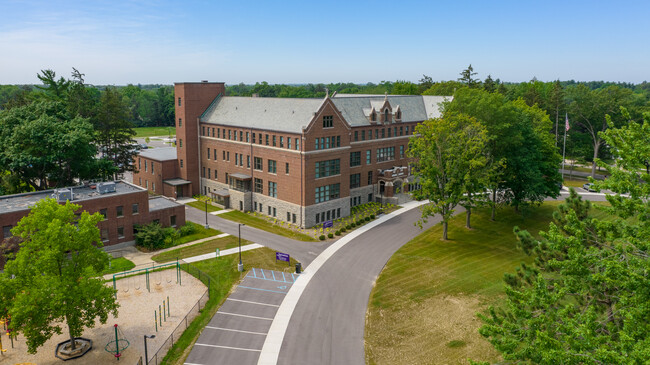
pixel 566 128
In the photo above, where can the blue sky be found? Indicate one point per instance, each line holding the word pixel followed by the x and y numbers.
pixel 119 42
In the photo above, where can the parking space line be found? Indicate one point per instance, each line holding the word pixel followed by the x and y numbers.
pixel 243 315
pixel 230 329
pixel 283 278
pixel 227 347
pixel 273 273
pixel 272 291
pixel 263 273
pixel 269 279
pixel 248 301
pixel 190 363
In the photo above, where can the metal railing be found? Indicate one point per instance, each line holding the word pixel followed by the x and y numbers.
pixel 157 358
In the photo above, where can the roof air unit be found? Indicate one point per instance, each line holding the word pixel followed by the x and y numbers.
pixel 105 188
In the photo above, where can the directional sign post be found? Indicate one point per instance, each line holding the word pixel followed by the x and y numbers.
pixel 282 257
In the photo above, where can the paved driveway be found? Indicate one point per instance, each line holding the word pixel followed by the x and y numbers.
pixel 236 333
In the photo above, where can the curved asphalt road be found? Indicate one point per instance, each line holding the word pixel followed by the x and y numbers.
pixel 328 323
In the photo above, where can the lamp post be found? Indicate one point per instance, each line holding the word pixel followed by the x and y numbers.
pixel 146 354
pixel 240 266
pixel 207 226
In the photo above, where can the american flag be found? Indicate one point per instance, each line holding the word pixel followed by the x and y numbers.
pixel 567 123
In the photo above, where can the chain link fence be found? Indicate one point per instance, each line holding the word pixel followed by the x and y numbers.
pixel 157 358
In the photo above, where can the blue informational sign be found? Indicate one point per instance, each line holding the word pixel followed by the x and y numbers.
pixel 281 256
pixel 328 224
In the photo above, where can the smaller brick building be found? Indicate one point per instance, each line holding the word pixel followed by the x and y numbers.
pixel 123 206
pixel 157 171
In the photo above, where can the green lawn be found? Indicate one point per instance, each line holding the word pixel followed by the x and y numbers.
pixel 118 265
pixel 223 275
pixel 201 206
pixel 199 233
pixel 154 131
pixel 199 249
pixel 264 225
pixel 575 182
pixel 422 309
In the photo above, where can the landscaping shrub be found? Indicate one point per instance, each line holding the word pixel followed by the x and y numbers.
pixel 367 219
pixel 322 237
pixel 372 216
pixel 330 235
pixel 343 229
pixel 188 229
pixel 150 236
pixel 359 222
pixel 349 226
pixel 353 224
pixel 338 233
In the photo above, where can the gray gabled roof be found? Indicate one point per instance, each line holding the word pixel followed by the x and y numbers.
pixel 291 114
pixel 279 114
pixel 414 108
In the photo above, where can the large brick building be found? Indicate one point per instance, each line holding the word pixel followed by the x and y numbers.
pixel 305 161
pixel 123 206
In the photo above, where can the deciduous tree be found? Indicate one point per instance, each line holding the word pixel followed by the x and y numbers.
pixel 445 150
pixel 53 279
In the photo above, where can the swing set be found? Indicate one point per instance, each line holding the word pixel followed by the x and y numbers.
pixel 152 275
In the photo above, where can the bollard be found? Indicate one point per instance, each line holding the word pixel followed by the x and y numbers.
pixel 155 319
pixel 159 315
pixel 164 312
pixel 168 306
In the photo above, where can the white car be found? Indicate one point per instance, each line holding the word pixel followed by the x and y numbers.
pixel 589 187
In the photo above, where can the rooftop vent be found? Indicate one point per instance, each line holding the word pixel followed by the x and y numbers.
pixel 204 80
pixel 62 195
pixel 105 188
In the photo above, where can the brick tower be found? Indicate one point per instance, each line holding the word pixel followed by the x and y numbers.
pixel 191 100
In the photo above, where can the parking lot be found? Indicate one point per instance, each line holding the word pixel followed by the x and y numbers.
pixel 237 332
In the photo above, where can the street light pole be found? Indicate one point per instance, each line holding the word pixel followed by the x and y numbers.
pixel 240 267
pixel 207 226
pixel 146 354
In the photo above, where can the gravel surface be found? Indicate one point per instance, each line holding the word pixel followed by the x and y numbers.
pixel 135 319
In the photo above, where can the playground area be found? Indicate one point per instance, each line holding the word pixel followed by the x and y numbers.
pixel 141 297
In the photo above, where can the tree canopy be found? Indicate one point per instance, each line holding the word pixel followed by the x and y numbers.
pixel 586 298
pixel 53 278
pixel 446 152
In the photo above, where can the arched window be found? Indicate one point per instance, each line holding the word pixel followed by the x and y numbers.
pixel 386 115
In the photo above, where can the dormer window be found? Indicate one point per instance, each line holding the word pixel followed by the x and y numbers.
pixel 398 115
pixel 328 121
pixel 385 115
pixel 373 116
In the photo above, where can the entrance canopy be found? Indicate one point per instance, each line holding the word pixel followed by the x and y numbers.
pixel 176 182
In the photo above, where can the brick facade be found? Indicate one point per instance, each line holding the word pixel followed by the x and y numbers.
pixel 135 205
pixel 270 165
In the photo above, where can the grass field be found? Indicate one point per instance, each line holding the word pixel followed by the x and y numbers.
pixel 199 249
pixel 118 265
pixel 223 274
pixel 201 206
pixel 264 225
pixel 154 131
pixel 575 182
pixel 422 309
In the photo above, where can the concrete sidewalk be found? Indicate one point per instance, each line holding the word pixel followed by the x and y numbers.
pixel 140 258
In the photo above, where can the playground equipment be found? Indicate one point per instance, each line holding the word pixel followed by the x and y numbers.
pixel 162 314
pixel 119 345
pixel 151 274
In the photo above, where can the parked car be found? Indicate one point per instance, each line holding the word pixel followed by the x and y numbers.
pixel 143 146
pixel 589 187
